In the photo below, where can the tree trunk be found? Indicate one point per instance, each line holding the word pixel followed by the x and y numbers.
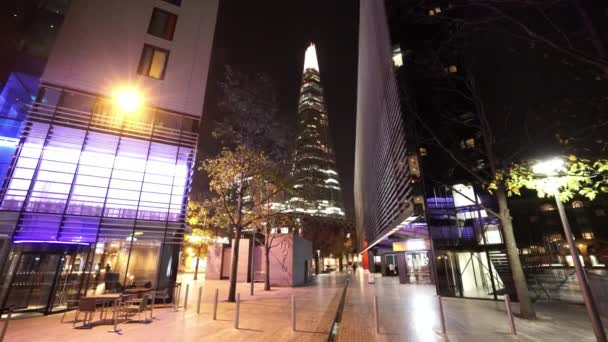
pixel 519 279
pixel 341 262
pixel 267 269
pixel 317 261
pixel 234 264
pixel 198 257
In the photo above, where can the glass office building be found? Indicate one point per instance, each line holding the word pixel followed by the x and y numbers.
pixel 93 199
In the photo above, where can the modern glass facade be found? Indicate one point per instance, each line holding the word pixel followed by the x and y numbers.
pixel 94 197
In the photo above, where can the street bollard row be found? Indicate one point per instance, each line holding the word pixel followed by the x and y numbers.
pixel 238 306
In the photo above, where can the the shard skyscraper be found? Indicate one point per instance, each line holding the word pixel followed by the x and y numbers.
pixel 316 178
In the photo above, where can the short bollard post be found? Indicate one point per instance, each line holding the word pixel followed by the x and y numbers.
pixel 376 318
pixel 238 307
pixel 5 327
pixel 293 313
pixel 175 298
pixel 215 304
pixel 186 297
pixel 510 314
pixel 198 303
pixel 441 315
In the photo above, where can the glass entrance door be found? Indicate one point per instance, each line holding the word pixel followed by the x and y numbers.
pixel 418 268
pixel 70 279
pixel 33 279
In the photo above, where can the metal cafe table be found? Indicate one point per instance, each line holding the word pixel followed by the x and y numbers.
pixel 136 290
pixel 88 305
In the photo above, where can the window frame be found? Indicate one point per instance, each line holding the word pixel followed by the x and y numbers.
pixel 177 3
pixel 172 32
pixel 149 66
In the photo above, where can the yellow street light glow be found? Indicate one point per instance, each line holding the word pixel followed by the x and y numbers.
pixel 128 100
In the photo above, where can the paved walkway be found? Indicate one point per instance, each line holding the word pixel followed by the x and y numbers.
pixel 410 313
pixel 264 317
pixel 407 313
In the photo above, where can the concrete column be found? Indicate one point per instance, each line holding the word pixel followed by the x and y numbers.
pixel 383 265
pixel 372 263
pixel 403 276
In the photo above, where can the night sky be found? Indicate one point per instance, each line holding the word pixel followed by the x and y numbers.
pixel 271 37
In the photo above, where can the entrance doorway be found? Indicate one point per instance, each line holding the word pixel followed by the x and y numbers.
pixel 391 265
pixel 43 281
pixel 418 267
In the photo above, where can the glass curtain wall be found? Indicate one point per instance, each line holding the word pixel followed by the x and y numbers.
pixel 87 175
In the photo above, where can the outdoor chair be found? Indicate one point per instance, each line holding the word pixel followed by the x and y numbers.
pixel 162 295
pixel 70 305
pixel 88 306
pixel 134 307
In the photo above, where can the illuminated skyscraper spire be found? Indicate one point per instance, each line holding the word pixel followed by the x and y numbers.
pixel 310 58
pixel 315 164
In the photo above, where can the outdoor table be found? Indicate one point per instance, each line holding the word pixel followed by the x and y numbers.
pixel 112 298
pixel 137 290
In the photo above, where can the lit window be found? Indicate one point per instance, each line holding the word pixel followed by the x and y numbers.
pixel 174 2
pixel 423 151
pixel 153 62
pixel 555 237
pixel 397 57
pixel 588 235
pixel 547 207
pixel 431 12
pixel 453 69
pixel 577 204
pixel 162 24
pixel 437 9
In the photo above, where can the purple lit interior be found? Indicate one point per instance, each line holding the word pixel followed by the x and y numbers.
pixel 69 184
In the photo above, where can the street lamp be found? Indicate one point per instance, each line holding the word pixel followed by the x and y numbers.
pixel 551 169
pixel 128 100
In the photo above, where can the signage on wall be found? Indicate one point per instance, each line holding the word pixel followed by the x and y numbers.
pixel 410 245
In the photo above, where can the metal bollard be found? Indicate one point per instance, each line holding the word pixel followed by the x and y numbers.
pixel 198 304
pixel 186 297
pixel 293 313
pixel 376 314
pixel 238 307
pixel 5 327
pixel 510 314
pixel 177 290
pixel 215 304
pixel 441 316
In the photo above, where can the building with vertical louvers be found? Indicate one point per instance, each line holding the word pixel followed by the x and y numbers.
pixel 96 191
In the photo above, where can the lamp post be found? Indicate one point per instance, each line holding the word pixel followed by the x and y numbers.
pixel 551 168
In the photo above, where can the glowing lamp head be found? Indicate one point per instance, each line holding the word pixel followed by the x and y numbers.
pixel 128 100
pixel 550 167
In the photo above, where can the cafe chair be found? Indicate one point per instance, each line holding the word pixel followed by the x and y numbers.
pixel 70 305
pixel 136 307
pixel 87 306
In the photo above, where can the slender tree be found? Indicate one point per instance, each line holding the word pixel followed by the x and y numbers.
pixel 253 139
